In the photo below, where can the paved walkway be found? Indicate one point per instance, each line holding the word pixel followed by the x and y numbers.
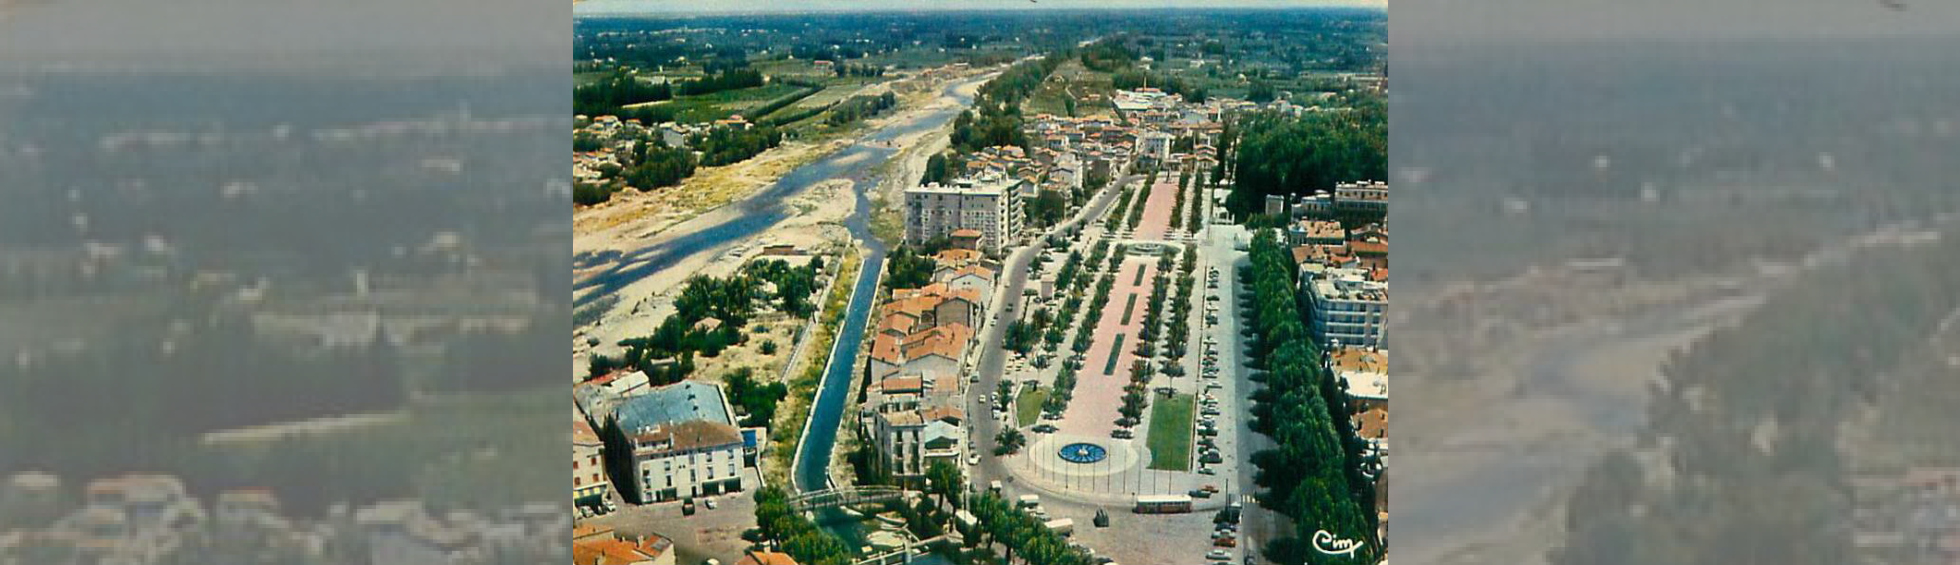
pixel 1093 410
pixel 1156 221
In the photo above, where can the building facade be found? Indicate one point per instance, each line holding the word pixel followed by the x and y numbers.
pixel 589 484
pixel 1366 198
pixel 990 205
pixel 686 460
pixel 1347 308
pixel 676 441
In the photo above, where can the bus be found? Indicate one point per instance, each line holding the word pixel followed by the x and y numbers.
pixel 1163 504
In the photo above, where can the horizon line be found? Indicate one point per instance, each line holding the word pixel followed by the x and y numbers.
pixel 607 8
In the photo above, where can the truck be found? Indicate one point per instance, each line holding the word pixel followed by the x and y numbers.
pixel 1030 500
pixel 994 486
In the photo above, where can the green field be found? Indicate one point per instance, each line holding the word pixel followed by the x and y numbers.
pixel 910 58
pixel 1027 406
pixel 582 79
pixel 1170 433
pixel 835 90
pixel 710 107
pixel 1071 79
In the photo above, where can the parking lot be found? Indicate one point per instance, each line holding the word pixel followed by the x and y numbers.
pixel 708 533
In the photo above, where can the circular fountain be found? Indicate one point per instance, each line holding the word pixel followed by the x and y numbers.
pixel 1083 453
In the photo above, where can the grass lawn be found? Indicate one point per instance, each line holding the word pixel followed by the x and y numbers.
pixel 1170 433
pixel 1027 406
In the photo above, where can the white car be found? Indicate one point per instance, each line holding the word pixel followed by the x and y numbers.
pixel 1219 554
pixel 973 459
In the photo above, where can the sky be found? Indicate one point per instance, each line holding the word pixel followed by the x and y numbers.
pixel 277 32
pixel 670 7
pixel 1421 22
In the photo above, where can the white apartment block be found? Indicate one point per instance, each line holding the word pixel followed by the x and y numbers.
pixel 990 205
pixel 1347 308
pixel 1368 196
pixel 1155 146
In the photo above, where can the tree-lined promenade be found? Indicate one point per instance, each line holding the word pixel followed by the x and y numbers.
pixel 1312 475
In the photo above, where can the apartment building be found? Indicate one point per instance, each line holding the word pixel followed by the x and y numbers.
pixel 1368 197
pixel 589 484
pixel 1155 146
pixel 914 422
pixel 989 204
pixel 1347 305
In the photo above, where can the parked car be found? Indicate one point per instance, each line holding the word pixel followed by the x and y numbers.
pixel 1044 428
pixel 1218 554
pixel 1207 471
pixel 1199 493
pixel 1122 433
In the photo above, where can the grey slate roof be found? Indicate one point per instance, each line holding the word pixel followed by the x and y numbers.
pixel 679 402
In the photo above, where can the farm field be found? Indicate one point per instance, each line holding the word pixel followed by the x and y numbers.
pixel 1073 81
pixel 719 105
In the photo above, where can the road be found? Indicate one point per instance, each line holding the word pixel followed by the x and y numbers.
pixel 992 356
pixel 1238 442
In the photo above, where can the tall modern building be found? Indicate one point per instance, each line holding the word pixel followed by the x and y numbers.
pixel 988 205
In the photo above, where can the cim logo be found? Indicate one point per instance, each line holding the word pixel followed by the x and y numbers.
pixel 1325 542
